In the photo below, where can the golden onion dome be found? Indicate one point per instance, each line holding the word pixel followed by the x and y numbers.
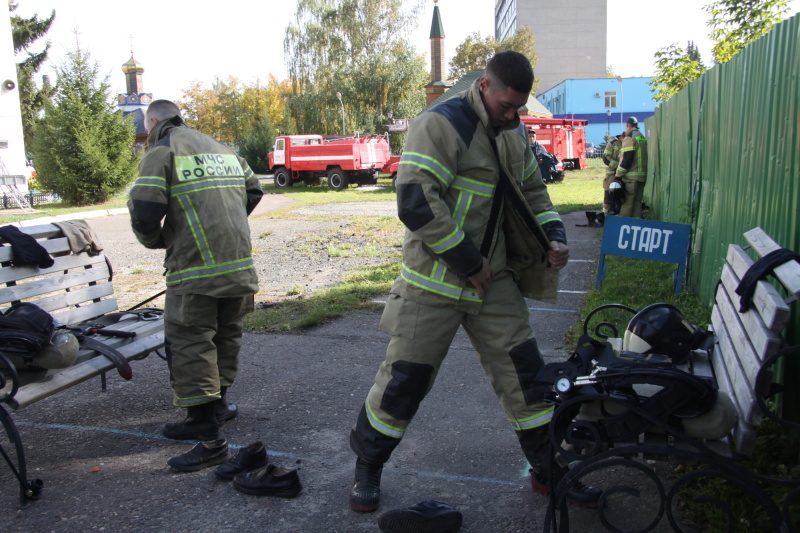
pixel 132 66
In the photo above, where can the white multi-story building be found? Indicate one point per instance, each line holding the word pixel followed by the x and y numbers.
pixel 12 147
pixel 570 35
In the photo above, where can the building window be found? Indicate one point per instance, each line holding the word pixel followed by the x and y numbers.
pixel 611 99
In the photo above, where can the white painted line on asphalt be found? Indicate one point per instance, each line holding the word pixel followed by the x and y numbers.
pixel 581 260
pixel 574 292
pixel 553 310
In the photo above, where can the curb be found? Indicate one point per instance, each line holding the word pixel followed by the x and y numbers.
pixel 72 216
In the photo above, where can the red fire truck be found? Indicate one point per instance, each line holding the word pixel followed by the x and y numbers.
pixel 565 138
pixel 313 158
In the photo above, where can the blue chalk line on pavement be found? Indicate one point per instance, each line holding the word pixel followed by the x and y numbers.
pixel 156 436
pixel 529 309
pixel 68 427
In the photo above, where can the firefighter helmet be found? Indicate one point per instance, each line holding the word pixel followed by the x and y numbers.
pixel 633 121
pixel 661 329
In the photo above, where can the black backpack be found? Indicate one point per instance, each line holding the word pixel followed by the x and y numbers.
pixel 25 329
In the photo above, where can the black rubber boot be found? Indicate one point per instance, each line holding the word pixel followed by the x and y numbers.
pixel 225 411
pixel 536 445
pixel 601 219
pixel 365 496
pixel 200 424
pixel 579 494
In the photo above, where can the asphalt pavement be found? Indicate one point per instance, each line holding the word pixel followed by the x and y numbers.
pixel 104 463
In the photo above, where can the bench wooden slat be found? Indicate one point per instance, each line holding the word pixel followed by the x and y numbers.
pixel 728 371
pixel 46 285
pixel 744 438
pixel 142 329
pixel 747 330
pixel 766 300
pixel 86 312
pixel 75 297
pixel 42 231
pixel 79 373
pixel 788 273
pixel 66 262
pixel 53 246
pixel 765 341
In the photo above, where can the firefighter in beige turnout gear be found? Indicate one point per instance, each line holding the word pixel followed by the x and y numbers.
pixel 204 192
pixel 611 155
pixel 481 235
pixel 632 168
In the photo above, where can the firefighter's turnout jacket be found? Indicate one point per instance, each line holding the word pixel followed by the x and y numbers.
pixel 633 154
pixel 458 208
pixel 446 185
pixel 611 155
pixel 204 192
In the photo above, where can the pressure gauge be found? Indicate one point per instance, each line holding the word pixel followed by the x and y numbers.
pixel 563 385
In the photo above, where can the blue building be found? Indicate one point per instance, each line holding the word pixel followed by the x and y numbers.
pixel 605 102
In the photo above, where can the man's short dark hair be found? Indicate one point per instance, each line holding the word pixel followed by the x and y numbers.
pixel 512 69
pixel 163 109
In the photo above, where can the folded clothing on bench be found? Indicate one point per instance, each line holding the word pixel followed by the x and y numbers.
pixel 80 237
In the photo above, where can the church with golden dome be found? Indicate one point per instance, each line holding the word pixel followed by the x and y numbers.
pixel 134 103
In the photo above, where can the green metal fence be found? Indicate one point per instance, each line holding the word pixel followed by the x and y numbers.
pixel 725 155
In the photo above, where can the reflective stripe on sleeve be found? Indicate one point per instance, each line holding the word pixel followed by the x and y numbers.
pixel 428 163
pixel 151 181
pixel 547 216
pixel 449 242
pixel 438 287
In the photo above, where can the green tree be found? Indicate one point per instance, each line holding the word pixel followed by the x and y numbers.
pixel 475 52
pixel 228 111
pixel 736 23
pixel 24 33
pixel 257 144
pixel 358 49
pixel 83 147
pixel 675 68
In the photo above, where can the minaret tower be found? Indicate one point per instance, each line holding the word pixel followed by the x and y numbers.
pixel 437 86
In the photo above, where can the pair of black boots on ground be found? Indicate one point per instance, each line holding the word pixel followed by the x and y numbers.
pixel 249 469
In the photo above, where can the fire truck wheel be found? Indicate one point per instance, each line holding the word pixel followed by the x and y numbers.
pixel 394 179
pixel 337 180
pixel 282 178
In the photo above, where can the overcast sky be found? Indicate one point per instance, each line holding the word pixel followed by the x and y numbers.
pixel 180 41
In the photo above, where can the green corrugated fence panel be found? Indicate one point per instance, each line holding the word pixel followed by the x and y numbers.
pixel 725 154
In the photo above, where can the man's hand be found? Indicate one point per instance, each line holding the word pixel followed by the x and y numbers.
pixel 483 278
pixel 558 255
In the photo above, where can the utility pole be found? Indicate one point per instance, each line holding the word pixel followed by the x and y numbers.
pixel 339 96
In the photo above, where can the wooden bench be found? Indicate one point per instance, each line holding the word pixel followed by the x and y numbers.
pixel 76 289
pixel 749 347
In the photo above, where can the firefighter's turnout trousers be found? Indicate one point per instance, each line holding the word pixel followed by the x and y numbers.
pixel 203 336
pixel 421 336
